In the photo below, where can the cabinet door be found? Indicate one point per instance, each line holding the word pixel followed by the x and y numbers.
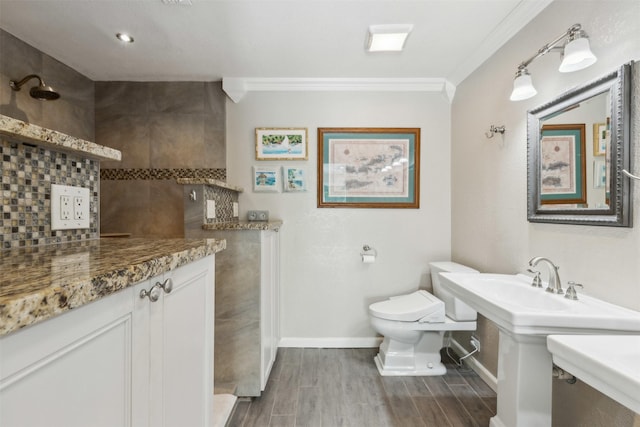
pixel 76 369
pixel 181 348
pixel 269 303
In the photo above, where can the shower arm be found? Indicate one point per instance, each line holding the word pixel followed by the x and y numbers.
pixel 17 85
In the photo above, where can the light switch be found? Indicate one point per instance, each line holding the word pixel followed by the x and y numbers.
pixel 211 209
pixel 235 210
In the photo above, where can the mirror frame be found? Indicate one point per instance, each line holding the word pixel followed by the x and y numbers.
pixel 619 213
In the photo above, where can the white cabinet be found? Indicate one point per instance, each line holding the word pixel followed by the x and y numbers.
pixel 120 361
pixel 74 370
pixel 269 303
pixel 181 348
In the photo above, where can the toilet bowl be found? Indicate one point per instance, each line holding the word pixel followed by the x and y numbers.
pixel 413 326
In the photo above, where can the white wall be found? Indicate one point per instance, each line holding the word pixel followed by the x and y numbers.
pixel 325 288
pixel 490 228
pixel 489 224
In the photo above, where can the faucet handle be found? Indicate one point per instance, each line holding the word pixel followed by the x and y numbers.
pixel 571 290
pixel 537 282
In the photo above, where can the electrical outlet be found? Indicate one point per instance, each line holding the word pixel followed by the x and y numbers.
pixel 80 208
pixel 65 207
pixel 475 342
pixel 69 207
pixel 258 215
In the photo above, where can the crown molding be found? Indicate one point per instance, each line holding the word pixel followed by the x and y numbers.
pixel 237 87
pixel 517 19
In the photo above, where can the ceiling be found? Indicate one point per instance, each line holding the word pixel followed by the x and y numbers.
pixel 212 39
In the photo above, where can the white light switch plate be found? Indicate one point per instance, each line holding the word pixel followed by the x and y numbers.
pixel 69 207
pixel 235 209
pixel 211 209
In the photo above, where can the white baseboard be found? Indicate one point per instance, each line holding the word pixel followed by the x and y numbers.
pixel 333 342
pixel 477 367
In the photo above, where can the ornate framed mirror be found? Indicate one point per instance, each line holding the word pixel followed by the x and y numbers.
pixel 577 146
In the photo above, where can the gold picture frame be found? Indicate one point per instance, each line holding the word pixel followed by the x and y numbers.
pixel 281 144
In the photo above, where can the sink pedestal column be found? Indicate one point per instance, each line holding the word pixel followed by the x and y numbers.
pixel 524 381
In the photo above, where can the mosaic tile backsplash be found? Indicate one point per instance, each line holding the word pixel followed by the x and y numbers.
pixel 27 174
pixel 149 174
pixel 224 199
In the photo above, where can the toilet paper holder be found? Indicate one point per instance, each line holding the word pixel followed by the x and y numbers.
pixel 368 250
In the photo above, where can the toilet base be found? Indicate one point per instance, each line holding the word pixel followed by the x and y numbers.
pixel 397 358
pixel 406 371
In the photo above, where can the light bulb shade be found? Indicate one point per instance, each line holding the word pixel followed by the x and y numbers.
pixel 522 87
pixel 577 55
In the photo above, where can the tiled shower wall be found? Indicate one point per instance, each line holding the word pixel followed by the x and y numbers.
pixel 165 130
pixel 27 174
pixel 72 114
pixel 27 171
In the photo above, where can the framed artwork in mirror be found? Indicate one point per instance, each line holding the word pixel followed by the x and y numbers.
pixel 601 137
pixel 599 173
pixel 562 164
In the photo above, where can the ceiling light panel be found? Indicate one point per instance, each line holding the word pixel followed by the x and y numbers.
pixel 388 38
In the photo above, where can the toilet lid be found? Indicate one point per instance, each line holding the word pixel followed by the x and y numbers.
pixel 408 308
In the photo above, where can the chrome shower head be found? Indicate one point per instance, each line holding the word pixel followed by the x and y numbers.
pixel 41 92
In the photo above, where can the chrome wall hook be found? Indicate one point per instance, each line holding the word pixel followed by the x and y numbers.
pixel 493 130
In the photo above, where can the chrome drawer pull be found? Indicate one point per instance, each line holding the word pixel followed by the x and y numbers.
pixel 152 293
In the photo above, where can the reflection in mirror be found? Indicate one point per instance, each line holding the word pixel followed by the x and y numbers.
pixel 578 145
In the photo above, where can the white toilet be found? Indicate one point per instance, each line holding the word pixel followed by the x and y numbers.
pixel 413 326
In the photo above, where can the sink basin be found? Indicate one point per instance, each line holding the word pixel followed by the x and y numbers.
pixel 608 363
pixel 525 316
pixel 514 305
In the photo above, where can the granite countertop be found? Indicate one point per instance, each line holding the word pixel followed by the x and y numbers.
pixel 209 181
pixel 244 225
pixel 35 134
pixel 41 282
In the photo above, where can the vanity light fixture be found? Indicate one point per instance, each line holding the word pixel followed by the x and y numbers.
pixel 388 37
pixel 124 37
pixel 576 55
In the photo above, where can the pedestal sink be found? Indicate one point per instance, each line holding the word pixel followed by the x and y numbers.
pixel 589 357
pixel 525 316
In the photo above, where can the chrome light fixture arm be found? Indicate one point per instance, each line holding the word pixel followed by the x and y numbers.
pixel 551 45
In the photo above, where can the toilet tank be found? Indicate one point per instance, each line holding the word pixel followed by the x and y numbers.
pixel 454 308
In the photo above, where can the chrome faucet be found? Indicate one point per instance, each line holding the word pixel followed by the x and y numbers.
pixel 555 285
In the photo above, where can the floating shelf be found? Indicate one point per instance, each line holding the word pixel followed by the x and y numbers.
pixel 34 134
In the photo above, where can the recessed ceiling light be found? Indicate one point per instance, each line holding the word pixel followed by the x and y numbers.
pixel 387 38
pixel 124 37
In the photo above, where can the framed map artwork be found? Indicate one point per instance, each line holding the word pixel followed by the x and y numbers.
pixel 369 167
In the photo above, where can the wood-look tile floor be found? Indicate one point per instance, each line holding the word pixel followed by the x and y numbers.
pixel 342 387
